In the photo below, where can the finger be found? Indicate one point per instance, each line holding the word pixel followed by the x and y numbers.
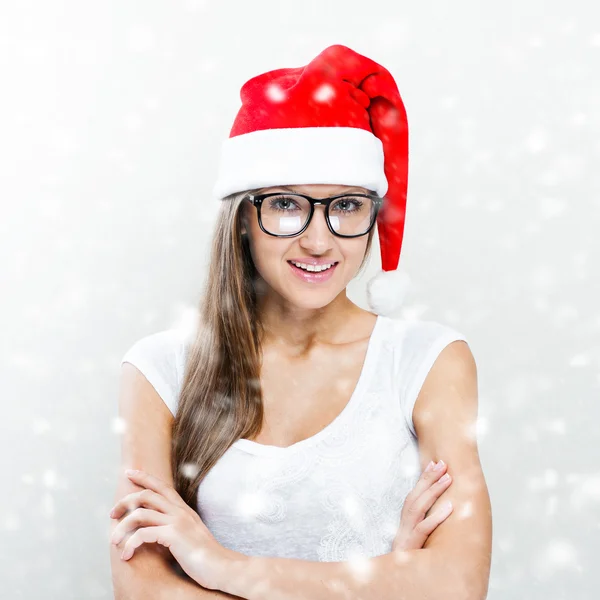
pixel 428 477
pixel 426 480
pixel 154 483
pixel 146 535
pixel 426 526
pixel 146 498
pixel 428 498
pixel 140 517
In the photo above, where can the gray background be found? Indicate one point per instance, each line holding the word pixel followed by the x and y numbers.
pixel 111 115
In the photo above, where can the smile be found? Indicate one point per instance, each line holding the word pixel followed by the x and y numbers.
pixel 309 274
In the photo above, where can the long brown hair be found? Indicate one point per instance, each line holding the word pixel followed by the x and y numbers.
pixel 221 398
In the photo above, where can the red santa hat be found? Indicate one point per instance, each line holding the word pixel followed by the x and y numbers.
pixel 338 120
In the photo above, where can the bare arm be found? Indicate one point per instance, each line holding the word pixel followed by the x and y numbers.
pixel 445 419
pixel 151 574
pixel 399 575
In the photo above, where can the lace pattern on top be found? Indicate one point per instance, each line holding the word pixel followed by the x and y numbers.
pixel 336 499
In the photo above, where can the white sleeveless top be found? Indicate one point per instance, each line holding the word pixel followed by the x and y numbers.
pixel 337 495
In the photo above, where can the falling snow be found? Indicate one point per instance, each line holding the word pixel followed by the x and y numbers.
pixel 112 120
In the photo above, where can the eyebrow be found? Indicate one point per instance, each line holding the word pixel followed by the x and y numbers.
pixel 285 187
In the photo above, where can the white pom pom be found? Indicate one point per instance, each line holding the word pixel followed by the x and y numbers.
pixel 386 291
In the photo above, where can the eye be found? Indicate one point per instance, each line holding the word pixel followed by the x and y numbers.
pixel 282 203
pixel 348 204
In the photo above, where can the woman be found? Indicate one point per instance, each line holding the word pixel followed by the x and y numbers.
pixel 295 438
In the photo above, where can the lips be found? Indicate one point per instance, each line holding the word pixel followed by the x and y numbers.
pixel 313 276
pixel 313 264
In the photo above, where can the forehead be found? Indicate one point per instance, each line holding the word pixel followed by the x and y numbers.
pixel 317 189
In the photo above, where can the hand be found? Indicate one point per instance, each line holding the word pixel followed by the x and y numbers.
pixel 414 528
pixel 161 515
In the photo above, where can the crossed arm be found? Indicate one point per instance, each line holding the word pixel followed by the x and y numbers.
pixel 409 575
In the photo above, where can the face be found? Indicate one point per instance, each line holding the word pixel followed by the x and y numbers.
pixel 272 255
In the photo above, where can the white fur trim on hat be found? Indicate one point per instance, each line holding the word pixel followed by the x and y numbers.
pixel 386 291
pixel 301 155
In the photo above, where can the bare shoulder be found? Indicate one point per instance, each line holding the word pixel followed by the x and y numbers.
pixel 450 388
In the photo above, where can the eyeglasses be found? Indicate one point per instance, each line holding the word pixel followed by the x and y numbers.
pixel 284 214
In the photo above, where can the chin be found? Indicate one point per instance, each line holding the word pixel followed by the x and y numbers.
pixel 309 301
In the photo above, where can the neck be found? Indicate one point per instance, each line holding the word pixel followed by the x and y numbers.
pixel 301 329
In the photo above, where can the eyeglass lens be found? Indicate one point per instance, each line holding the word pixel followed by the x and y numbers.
pixel 287 214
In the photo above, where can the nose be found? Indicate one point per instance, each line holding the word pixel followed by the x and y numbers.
pixel 317 238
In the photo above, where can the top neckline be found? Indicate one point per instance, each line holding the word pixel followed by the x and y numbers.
pixel 367 369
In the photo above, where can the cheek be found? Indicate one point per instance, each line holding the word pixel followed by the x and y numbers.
pixel 353 253
pixel 266 250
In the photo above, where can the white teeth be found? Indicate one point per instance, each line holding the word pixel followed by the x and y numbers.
pixel 313 268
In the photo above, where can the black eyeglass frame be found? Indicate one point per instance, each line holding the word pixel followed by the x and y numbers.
pixel 257 200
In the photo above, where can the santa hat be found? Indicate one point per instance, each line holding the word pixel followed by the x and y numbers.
pixel 338 120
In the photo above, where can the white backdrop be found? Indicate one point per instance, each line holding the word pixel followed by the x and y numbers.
pixel 111 116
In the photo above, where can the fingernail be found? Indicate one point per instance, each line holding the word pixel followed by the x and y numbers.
pixel 439 465
pixel 111 513
pixel 445 478
pixel 130 471
pixel 429 466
